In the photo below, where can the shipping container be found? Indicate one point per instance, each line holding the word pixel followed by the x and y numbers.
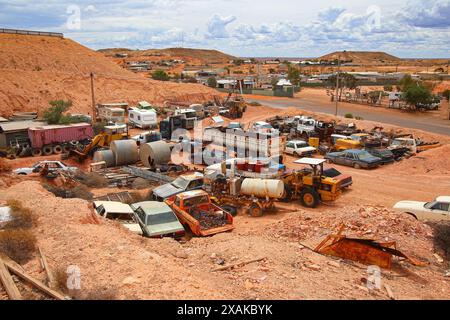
pixel 59 134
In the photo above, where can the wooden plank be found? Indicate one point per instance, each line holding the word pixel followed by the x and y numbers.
pixel 50 277
pixel 52 293
pixel 239 264
pixel 7 259
pixel 8 283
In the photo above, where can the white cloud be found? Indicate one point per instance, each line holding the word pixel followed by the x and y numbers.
pixel 217 26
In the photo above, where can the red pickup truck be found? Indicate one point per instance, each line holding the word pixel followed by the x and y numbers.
pixel 195 210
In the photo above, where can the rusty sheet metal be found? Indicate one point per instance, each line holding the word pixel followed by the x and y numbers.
pixel 365 251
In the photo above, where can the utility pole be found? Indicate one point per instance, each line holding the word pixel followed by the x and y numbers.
pixel 337 85
pixel 94 113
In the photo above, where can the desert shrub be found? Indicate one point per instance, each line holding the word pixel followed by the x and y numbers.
pixel 349 116
pixel 99 127
pixel 359 118
pixel 82 192
pixel 137 197
pixel 55 113
pixel 92 180
pixel 58 192
pixel 21 218
pixel 18 244
pixel 5 167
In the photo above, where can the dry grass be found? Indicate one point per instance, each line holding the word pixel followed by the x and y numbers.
pixel 5 167
pixel 21 218
pixel 92 180
pixel 18 244
pixel 81 191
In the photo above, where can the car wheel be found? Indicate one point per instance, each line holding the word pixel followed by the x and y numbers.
pixel 356 166
pixel 309 198
pixel 412 215
pixel 255 210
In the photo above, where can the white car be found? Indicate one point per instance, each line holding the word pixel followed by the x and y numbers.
pixel 299 148
pixel 262 127
pixel 437 210
pixel 52 166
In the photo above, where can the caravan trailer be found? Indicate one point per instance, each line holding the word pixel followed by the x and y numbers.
pixel 142 118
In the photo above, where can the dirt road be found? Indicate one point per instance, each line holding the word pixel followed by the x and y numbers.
pixel 314 100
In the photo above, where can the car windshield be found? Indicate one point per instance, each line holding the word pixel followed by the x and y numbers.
pixel 188 203
pixel 302 145
pixel 331 173
pixel 429 205
pixel 364 155
pixel 161 218
pixel 180 183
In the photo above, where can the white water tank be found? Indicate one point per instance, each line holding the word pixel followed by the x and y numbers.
pixel 263 188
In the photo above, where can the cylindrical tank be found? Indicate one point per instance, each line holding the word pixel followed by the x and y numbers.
pixel 155 153
pixel 262 188
pixel 125 151
pixel 107 156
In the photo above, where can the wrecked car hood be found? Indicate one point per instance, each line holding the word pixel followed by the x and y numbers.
pixel 416 205
pixel 166 191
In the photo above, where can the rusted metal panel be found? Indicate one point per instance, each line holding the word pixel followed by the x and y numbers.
pixel 366 251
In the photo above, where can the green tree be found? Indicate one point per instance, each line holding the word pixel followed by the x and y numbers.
pixel 346 81
pixel 160 75
pixel 294 75
pixel 388 88
pixel 212 82
pixel 274 83
pixel 446 94
pixel 416 95
pixel 55 113
pixel 406 82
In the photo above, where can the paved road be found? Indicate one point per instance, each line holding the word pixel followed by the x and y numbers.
pixel 424 121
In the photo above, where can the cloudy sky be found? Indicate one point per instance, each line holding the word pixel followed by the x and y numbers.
pixel 285 28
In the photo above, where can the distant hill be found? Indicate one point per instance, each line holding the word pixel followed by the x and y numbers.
pixel 204 56
pixel 361 57
pixel 36 69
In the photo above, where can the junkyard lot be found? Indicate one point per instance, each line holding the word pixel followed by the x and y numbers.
pixel 165 269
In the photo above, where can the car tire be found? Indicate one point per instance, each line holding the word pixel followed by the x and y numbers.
pixel 57 149
pixel 356 166
pixel 36 152
pixel 47 150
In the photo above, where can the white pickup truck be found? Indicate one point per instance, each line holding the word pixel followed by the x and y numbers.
pixel 299 148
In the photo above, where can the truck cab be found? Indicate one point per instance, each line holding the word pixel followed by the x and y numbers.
pixel 189 117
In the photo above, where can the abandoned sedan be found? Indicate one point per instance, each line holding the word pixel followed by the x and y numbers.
pixel 118 211
pixel 51 165
pixel 157 220
pixel 345 179
pixel 181 184
pixel 437 210
pixel 354 158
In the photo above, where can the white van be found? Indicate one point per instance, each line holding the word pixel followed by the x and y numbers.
pixel 141 118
